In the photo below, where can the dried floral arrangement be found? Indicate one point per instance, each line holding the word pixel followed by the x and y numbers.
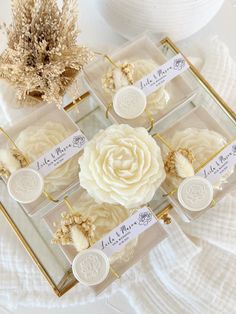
pixel 42 57
pixel 179 162
pixel 11 160
pixel 75 230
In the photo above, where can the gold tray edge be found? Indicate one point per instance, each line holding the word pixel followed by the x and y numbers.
pixel 28 248
pixel 163 213
pixel 200 77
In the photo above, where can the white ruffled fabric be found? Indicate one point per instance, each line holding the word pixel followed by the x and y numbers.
pixel 193 271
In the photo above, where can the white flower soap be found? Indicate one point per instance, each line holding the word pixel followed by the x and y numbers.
pixel 128 74
pixel 35 140
pixel 203 143
pixel 105 217
pixel 158 99
pixel 129 102
pixel 122 165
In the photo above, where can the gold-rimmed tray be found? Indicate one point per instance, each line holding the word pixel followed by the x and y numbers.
pixel 50 261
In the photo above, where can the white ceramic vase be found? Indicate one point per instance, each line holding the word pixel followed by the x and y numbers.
pixel 178 19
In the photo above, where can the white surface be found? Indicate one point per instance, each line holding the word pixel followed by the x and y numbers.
pixel 96 32
pixel 113 305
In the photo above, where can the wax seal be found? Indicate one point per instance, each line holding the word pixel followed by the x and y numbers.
pixel 195 193
pixel 91 267
pixel 25 185
pixel 129 102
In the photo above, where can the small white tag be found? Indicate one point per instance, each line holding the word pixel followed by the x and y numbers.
pixel 163 74
pixel 59 153
pixel 126 231
pixel 222 163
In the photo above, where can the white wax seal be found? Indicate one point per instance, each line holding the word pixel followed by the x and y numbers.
pixel 195 193
pixel 25 185
pixel 91 267
pixel 129 102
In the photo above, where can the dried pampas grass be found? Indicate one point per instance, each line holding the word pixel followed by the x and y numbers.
pixel 42 57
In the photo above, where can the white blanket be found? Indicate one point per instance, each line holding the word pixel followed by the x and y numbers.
pixel 193 271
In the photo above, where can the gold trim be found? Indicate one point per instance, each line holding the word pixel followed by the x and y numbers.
pixel 214 155
pixel 105 56
pixel 68 204
pixel 150 119
pixel 75 103
pixel 28 248
pixel 9 139
pixel 109 107
pixel 69 286
pixel 202 80
pixel 62 288
pixel 164 214
pixel 114 273
pixel 161 139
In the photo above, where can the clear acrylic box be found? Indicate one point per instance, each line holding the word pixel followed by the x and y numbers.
pixel 177 92
pixel 122 259
pixel 204 125
pixel 39 117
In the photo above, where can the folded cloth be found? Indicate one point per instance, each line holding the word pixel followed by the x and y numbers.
pixel 217 226
pixel 193 271
pixel 204 285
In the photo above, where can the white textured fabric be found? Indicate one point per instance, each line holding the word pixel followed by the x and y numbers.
pixel 201 277
pixel 178 19
pixel 191 272
pixel 220 71
pixel 203 282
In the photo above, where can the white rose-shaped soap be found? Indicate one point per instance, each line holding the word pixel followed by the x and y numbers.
pixel 157 100
pixel 115 79
pixel 122 165
pixel 106 217
pixel 35 140
pixel 203 143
